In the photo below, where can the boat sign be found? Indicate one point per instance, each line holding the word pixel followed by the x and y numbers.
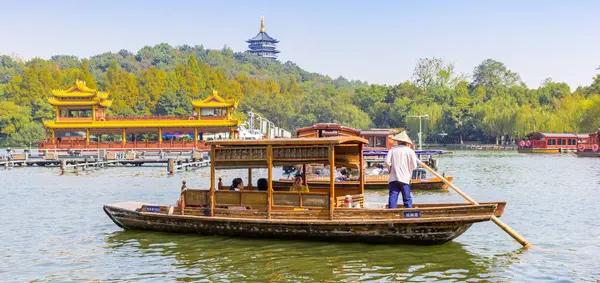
pixel 412 214
pixel 150 208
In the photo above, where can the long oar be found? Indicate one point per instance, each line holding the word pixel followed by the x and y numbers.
pixel 495 219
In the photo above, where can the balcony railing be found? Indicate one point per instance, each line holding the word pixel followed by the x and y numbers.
pixel 117 118
pixel 54 143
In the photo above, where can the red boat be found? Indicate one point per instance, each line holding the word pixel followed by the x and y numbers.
pixel 589 147
pixel 538 142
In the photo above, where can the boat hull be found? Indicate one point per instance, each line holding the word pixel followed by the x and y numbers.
pixel 587 154
pixel 390 231
pixel 545 150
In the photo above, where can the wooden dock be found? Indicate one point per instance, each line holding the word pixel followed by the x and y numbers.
pixel 182 165
pixel 87 159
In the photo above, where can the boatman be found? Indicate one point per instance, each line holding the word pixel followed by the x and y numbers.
pixel 401 160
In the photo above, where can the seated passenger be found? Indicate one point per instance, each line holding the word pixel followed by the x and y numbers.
pixel 262 184
pixel 298 186
pixel 237 185
pixel 340 174
pixel 324 171
pixel 378 170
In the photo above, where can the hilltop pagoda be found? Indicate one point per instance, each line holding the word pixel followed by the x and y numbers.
pixel 262 44
pixel 82 122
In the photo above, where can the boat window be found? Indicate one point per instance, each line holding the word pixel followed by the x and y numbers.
pixel 380 141
pixel 572 141
pixel 371 141
pixel 562 142
pixel 551 141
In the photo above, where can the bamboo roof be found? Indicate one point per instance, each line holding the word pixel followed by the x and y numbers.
pixel 292 141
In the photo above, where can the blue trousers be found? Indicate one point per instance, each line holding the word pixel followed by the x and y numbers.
pixel 397 188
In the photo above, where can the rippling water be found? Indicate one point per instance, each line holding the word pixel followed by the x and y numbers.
pixel 53 229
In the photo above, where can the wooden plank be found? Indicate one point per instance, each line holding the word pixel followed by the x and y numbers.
pixel 249 179
pixel 270 180
pixel 212 181
pixel 331 181
pixel 362 170
pixel 250 213
pixel 291 141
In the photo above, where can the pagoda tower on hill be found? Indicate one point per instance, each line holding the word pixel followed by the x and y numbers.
pixel 262 44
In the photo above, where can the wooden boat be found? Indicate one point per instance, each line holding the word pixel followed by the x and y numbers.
pixel 379 141
pixel 318 215
pixel 373 182
pixel 538 142
pixel 419 182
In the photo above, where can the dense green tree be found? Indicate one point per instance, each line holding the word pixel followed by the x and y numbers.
pixel 29 135
pixel 495 106
pixel 492 74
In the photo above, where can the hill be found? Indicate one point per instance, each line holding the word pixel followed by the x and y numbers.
pixel 492 104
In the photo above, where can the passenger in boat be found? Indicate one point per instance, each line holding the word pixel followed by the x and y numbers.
pixel 401 160
pixel 298 186
pixel 237 184
pixel 262 184
pixel 341 174
pixel 377 170
pixel 324 171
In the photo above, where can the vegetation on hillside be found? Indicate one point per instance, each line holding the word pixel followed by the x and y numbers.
pixel 492 105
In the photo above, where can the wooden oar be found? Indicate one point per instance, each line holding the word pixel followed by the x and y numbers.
pixel 495 219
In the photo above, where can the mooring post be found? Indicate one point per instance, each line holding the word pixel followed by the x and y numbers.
pixel 63 165
pixel 171 166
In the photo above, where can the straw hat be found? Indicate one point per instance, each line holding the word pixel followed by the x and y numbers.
pixel 402 137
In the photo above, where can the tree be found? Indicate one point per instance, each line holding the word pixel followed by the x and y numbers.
pixel 434 73
pixel 172 104
pixel 30 134
pixel 13 117
pixel 492 74
pixel 86 75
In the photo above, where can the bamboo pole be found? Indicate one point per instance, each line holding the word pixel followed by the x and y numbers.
pixel 331 180
pixel 212 180
pixel 362 170
pixel 249 179
pixel 495 219
pixel 270 180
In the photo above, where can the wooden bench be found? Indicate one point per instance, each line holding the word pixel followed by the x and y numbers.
pixel 196 198
pixel 300 200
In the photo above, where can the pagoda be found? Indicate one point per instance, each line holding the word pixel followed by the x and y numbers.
pixel 82 122
pixel 262 44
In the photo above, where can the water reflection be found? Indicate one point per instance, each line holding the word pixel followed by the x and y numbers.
pixel 223 258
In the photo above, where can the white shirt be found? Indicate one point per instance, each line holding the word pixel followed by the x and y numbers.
pixel 402 161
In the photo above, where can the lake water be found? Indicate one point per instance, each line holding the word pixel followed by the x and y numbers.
pixel 53 228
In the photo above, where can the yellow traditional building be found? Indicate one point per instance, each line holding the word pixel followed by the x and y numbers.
pixel 82 122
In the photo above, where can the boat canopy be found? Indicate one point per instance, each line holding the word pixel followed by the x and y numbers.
pixel 418 152
pixel 235 154
pixel 375 152
pixel 542 136
pixel 430 152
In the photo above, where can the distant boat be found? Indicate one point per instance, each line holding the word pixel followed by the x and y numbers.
pixel 589 147
pixel 380 180
pixel 538 142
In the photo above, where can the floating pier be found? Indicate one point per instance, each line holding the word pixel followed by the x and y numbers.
pixel 174 165
pixel 99 158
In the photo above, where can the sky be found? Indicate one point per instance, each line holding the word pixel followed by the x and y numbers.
pixel 375 41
